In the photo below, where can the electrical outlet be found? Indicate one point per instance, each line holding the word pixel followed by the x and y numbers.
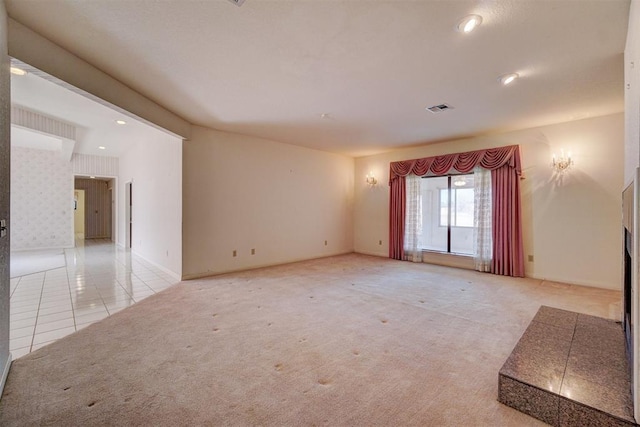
pixel 235 253
pixel 380 242
pixel 253 251
pixel 530 258
pixel 325 243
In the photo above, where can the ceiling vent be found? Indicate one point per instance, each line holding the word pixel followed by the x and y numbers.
pixel 237 2
pixel 439 108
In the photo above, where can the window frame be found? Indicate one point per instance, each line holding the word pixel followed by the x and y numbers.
pixel 450 192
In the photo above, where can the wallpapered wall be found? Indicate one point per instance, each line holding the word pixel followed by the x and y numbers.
pixel 84 164
pixel 42 195
pixel 41 200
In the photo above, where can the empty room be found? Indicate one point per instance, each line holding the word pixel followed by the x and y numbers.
pixel 320 212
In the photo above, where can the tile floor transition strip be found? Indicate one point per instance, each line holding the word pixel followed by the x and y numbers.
pixel 550 376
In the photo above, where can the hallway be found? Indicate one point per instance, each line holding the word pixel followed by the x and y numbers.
pixel 99 279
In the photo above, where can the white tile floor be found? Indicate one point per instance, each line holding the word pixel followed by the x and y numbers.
pixel 99 279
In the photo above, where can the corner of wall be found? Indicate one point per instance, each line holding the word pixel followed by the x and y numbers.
pixel 5 373
pixel 5 162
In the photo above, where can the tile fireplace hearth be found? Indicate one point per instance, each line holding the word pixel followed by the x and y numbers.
pixel 569 369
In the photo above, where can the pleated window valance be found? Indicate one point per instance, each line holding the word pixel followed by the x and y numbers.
pixel 491 158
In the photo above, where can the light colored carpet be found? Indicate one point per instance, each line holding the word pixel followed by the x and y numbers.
pixel 350 340
pixel 23 263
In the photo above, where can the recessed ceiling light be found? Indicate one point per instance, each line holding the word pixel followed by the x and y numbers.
pixel 460 182
pixel 17 71
pixel 469 23
pixel 121 122
pixel 507 79
pixel 102 148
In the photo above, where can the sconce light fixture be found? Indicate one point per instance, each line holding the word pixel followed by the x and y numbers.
pixel 371 179
pixel 562 163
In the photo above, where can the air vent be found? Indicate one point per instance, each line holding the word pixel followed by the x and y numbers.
pixel 439 108
pixel 237 2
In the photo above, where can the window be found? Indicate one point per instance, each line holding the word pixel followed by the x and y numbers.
pixel 461 207
pixel 447 200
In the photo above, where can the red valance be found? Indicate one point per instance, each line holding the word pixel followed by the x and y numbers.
pixel 492 158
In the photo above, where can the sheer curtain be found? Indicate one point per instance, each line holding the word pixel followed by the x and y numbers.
pixel 413 219
pixel 483 218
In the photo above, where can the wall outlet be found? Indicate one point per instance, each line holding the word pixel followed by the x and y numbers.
pixel 235 253
pixel 530 258
pixel 325 243
pixel 380 242
pixel 253 251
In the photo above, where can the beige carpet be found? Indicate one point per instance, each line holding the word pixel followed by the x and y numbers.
pixel 349 340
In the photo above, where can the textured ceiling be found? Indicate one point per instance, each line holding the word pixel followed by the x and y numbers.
pixel 272 68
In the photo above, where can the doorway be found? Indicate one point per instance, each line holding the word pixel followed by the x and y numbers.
pixel 78 214
pixel 95 207
pixel 128 218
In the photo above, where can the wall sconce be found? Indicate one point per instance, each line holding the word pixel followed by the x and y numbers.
pixel 371 179
pixel 562 163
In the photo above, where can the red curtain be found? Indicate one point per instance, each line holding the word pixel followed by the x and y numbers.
pixel 508 253
pixel 504 163
pixel 396 217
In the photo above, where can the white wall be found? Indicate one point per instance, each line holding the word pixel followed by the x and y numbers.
pixel 243 193
pixel 5 149
pixel 632 93
pixel 632 161
pixel 41 200
pixel 571 226
pixel 155 168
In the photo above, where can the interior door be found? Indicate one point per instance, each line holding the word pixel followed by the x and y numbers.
pixel 78 214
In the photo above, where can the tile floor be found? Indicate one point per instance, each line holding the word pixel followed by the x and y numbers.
pixel 99 280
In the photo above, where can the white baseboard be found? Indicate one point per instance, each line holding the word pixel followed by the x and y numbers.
pixel 257 266
pixel 378 254
pixel 158 266
pixel 43 248
pixel 155 264
pixel 5 373
pixel 570 281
